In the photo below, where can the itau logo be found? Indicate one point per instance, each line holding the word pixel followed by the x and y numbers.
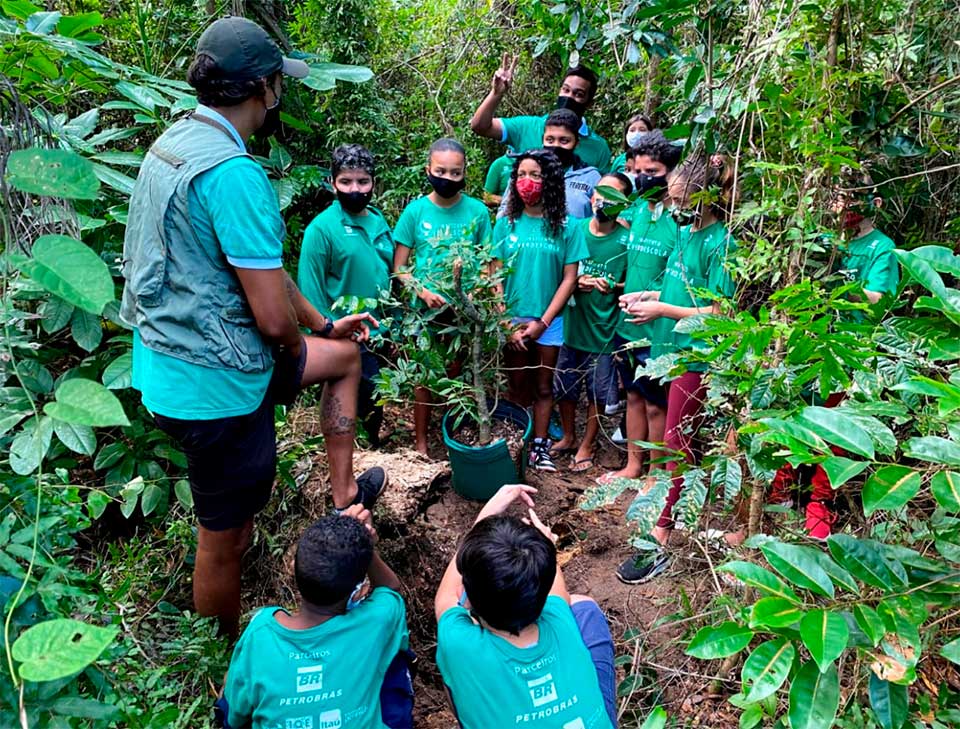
pixel 542 690
pixel 330 720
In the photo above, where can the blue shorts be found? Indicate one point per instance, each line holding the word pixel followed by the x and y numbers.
pixel 553 337
pixel 627 360
pixel 576 367
pixel 596 637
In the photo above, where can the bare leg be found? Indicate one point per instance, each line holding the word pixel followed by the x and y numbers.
pixel 656 422
pixel 337 363
pixel 543 404
pixel 568 417
pixel 585 451
pixel 421 418
pixel 637 429
pixel 216 574
pixel 520 389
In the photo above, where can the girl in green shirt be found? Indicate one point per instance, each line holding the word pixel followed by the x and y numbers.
pixel 634 130
pixel 541 252
pixel 698 262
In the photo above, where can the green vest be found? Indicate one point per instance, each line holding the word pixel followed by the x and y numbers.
pixel 180 293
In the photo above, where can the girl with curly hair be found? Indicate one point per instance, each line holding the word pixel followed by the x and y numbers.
pixel 540 252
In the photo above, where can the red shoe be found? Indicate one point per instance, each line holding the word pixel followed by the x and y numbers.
pixel 819 520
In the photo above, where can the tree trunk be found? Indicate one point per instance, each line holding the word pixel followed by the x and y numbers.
pixel 476 365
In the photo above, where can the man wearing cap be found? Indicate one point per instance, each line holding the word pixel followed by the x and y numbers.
pixel 217 321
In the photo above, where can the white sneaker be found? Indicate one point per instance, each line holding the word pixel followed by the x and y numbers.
pixel 615 408
pixel 618 437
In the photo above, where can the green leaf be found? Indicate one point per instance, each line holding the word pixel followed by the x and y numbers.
pixel 184 495
pixel 934 449
pixel 766 668
pixel 656 719
pixel 69 269
pixel 56 314
pixel 117 180
pixel 890 488
pixel 753 575
pixel 78 438
pixel 152 494
pixel 118 375
pixel 862 558
pixel 721 641
pixel 97 502
pixel 43 23
pixel 814 697
pixel 951 651
pixel 799 566
pixel 53 173
pixel 840 470
pixel 85 402
pixel 323 76
pixel 57 648
pixel 837 428
pixel 19 9
pixel 30 445
pixel 946 490
pixel 727 475
pixel 889 702
pixel 869 622
pixel 774 612
pixel 85 330
pixel 825 634
pixel 838 574
pixel 76 706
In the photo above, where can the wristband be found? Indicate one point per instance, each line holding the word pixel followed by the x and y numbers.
pixel 325 331
pixel 545 325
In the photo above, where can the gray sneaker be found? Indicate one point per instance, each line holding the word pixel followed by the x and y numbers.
pixel 643 567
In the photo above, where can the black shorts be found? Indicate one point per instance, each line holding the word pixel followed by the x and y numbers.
pixel 232 462
pixel 627 360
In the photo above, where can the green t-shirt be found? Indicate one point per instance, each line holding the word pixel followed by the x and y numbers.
pixel 651 241
pixel 524 133
pixel 550 685
pixel 498 176
pixel 698 262
pixel 433 232
pixel 345 255
pixel 534 260
pixel 326 676
pixel 619 163
pixel 235 205
pixel 591 317
pixel 870 260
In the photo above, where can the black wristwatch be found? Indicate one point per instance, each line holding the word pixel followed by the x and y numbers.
pixel 325 331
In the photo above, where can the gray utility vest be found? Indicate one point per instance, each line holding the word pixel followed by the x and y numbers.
pixel 180 292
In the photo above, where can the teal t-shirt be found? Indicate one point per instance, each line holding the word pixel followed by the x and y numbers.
pixel 698 263
pixel 653 234
pixel 235 205
pixel 619 163
pixel 345 255
pixel 433 233
pixel 591 317
pixel 550 685
pixel 326 676
pixel 870 260
pixel 524 133
pixel 498 176
pixel 534 259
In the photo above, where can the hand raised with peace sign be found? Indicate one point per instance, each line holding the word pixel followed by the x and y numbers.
pixel 503 78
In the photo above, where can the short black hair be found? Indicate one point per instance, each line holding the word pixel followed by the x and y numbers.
pixel 351 157
pixel 508 568
pixel 658 148
pixel 587 75
pixel 213 90
pixel 626 184
pixel 333 556
pixel 446 144
pixel 565 119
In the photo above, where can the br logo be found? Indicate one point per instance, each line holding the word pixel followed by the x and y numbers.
pixel 309 678
pixel 542 690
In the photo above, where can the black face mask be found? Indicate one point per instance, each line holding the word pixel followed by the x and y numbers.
pixel 683 217
pixel 568 102
pixel 563 154
pixel 271 122
pixel 602 215
pixel 444 187
pixel 649 186
pixel 354 202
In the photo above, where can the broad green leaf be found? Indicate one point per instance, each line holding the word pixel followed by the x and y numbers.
pixel 57 648
pixel 838 574
pixel 79 707
pixel 889 702
pixel 43 23
pixel 109 455
pixel 721 641
pixel 97 502
pixel 825 634
pixel 86 330
pixel 69 269
pixel 869 622
pixel 152 494
pixel 862 558
pixel 118 375
pixel 30 445
pixel 751 716
pixel 837 428
pixel 184 495
pixel 946 490
pixel 766 668
pixel 774 612
pixel 840 470
pixel 798 566
pixel 56 314
pixel 727 475
pixel 890 488
pixel 324 76
pixel 656 719
pixel 814 697
pixel 117 180
pixel 53 173
pixel 934 449
pixel 753 575
pixel 951 651
pixel 85 402
pixel 78 438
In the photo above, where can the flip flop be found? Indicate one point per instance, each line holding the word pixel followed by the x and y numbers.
pixel 581 465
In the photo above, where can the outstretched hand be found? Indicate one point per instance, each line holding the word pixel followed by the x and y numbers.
pixel 354 326
pixel 503 78
pixel 535 522
pixel 501 500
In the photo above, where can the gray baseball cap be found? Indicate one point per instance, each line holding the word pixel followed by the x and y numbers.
pixel 243 51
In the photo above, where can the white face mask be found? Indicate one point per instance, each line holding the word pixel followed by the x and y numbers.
pixel 633 138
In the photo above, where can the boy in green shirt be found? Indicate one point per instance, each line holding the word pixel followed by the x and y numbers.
pixel 301 668
pixel 348 251
pixel 513 646
pixel 577 93
pixel 497 180
pixel 588 326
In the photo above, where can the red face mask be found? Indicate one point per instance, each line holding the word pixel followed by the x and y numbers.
pixel 529 190
pixel 852 219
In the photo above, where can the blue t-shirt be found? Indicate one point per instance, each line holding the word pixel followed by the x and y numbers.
pixel 235 205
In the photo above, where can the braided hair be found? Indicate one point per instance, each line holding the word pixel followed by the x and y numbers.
pixel 554 196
